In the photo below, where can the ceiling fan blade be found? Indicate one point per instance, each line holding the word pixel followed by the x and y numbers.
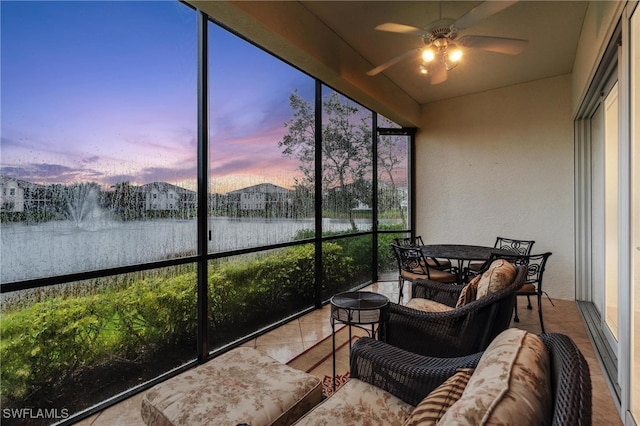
pixel 438 72
pixel 510 46
pixel 380 68
pixel 399 28
pixel 480 12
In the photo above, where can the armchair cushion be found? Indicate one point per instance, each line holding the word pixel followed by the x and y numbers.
pixel 427 305
pixel 431 409
pixel 510 384
pixel 499 275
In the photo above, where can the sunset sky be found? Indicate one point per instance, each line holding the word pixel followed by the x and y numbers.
pixel 106 92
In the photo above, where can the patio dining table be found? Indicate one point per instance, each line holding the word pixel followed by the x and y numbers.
pixel 462 253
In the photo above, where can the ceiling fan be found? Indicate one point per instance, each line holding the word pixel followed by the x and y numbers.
pixel 440 53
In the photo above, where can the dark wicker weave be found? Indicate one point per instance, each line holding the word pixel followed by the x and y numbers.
pixel 411 377
pixel 461 331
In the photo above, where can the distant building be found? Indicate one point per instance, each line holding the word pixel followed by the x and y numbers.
pixel 362 207
pixel 162 196
pixel 12 194
pixel 264 197
pixel 18 196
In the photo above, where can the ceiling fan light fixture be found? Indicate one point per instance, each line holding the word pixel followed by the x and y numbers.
pixel 439 53
pixel 448 64
pixel 451 57
pixel 454 53
pixel 428 55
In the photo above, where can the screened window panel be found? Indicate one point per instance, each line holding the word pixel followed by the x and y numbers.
pixel 387 262
pixel 99 162
pixel 251 291
pixel 72 346
pixel 347 264
pixel 261 136
pixel 393 180
pixel 346 165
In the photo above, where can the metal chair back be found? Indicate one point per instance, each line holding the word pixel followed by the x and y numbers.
pixel 409 241
pixel 520 247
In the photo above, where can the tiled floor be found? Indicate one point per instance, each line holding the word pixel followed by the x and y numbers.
pixel 289 340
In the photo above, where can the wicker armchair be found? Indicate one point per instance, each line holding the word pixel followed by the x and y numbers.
pixel 462 331
pixel 411 377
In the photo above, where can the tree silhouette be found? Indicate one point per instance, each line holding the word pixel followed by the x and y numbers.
pixel 346 149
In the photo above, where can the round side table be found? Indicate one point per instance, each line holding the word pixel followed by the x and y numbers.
pixel 357 308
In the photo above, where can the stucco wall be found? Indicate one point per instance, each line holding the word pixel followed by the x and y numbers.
pixel 501 163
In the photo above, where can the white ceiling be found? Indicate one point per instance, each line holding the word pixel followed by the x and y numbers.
pixel 552 28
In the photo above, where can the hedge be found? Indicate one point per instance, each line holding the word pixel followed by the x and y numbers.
pixel 47 342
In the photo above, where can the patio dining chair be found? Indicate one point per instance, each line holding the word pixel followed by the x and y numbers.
pixel 532 286
pixel 416 242
pixel 518 247
pixel 536 264
pixel 413 265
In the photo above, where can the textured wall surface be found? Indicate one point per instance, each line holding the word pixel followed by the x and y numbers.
pixel 501 163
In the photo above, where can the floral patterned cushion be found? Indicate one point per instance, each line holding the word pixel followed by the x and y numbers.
pixel 468 292
pixel 240 386
pixel 431 409
pixel 428 305
pixel 500 274
pixel 358 403
pixel 510 386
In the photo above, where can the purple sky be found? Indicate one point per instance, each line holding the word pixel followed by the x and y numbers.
pixel 106 92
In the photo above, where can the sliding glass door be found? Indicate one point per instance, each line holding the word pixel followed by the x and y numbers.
pixel 635 217
pixel 611 202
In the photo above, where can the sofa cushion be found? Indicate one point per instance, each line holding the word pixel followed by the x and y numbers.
pixel 511 384
pixel 431 409
pixel 428 305
pixel 468 292
pixel 359 403
pixel 499 275
pixel 240 386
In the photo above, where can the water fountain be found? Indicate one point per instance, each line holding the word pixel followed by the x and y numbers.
pixel 83 204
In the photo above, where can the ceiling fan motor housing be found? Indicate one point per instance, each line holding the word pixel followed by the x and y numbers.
pixel 440 29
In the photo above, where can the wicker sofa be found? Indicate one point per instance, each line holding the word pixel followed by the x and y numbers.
pixel 389 385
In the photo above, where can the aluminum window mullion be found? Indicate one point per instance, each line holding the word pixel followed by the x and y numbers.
pixel 203 202
pixel 319 272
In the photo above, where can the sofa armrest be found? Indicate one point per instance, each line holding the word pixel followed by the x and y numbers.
pixel 406 375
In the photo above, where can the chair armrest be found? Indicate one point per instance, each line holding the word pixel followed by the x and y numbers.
pixel 571 381
pixel 406 375
pixel 438 292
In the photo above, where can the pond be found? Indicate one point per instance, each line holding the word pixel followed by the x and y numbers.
pixel 31 251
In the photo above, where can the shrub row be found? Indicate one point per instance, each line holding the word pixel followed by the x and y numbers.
pixel 47 342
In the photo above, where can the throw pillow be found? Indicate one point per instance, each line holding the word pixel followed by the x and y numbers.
pixel 431 409
pixel 469 291
pixel 511 384
pixel 499 275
